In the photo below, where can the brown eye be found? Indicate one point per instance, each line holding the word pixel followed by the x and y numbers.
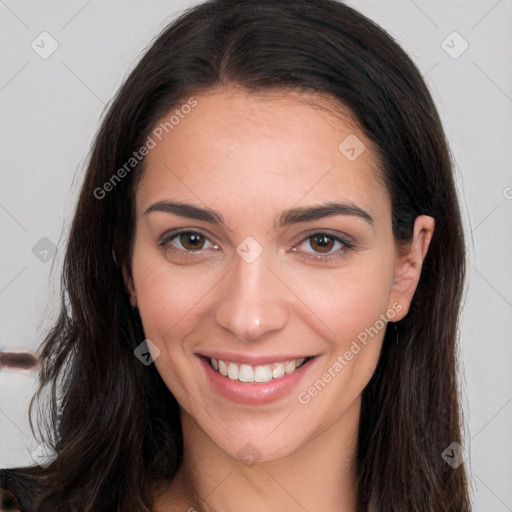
pixel 192 241
pixel 322 247
pixel 186 243
pixel 321 243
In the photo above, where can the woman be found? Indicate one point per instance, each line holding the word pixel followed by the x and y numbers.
pixel 262 281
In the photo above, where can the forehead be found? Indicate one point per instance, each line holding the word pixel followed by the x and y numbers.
pixel 261 149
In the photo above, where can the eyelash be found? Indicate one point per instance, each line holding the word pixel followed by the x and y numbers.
pixel 165 243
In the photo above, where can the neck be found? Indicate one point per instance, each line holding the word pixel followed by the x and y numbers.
pixel 320 476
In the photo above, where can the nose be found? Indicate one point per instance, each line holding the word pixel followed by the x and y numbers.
pixel 254 301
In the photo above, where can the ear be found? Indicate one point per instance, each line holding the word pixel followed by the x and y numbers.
pixel 127 278
pixel 408 266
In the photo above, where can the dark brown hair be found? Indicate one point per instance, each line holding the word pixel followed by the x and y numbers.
pixel 113 422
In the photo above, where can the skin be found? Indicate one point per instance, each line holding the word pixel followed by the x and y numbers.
pixel 250 157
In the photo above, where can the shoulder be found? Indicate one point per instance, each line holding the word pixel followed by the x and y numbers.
pixel 22 485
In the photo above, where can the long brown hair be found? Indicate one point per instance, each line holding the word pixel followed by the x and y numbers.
pixel 114 424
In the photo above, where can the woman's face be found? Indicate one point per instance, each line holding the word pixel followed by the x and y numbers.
pixel 264 249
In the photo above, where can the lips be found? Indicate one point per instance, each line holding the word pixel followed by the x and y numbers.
pixel 255 373
pixel 254 380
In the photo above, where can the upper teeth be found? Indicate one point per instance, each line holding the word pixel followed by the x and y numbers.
pixel 248 373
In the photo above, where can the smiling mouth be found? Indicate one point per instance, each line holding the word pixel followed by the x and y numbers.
pixel 256 374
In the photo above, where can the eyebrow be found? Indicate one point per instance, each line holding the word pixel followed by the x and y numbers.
pixel 287 217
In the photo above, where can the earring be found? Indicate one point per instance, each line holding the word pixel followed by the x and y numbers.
pixel 397 334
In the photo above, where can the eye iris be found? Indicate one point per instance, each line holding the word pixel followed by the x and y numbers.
pixel 192 241
pixel 323 243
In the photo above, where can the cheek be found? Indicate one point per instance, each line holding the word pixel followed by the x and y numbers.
pixel 350 299
pixel 170 299
pixel 167 296
pixel 351 305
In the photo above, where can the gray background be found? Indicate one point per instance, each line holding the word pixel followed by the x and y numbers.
pixel 50 111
